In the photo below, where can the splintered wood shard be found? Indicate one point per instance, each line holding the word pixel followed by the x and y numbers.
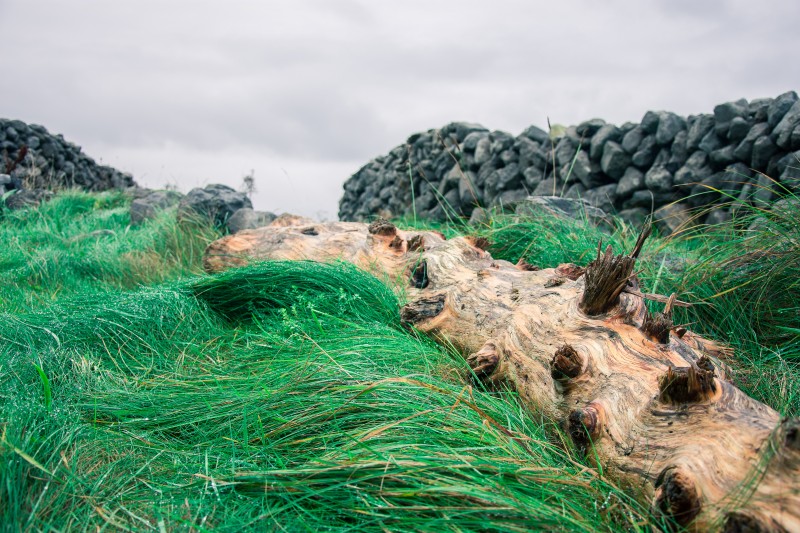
pixel 651 406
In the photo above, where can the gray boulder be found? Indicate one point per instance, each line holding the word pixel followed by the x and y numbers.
pixel 536 134
pixel 744 151
pixel 659 179
pixel 609 132
pixel 588 128
pixel 23 198
pixel 695 170
pixel 632 180
pixel 782 134
pixel 147 207
pixel 779 107
pixel 632 139
pixel 717 216
pixel 570 208
pixel 634 216
pixel 668 127
pixel 698 130
pixel 246 218
pixel 646 153
pixel 725 113
pixel 483 151
pixel 650 121
pixel 763 150
pixel 673 218
pixel 738 129
pixel 216 202
pixel 615 160
pixel 602 197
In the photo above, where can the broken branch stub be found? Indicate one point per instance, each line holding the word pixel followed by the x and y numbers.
pixel 653 408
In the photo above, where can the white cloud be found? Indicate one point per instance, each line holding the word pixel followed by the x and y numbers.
pixel 320 86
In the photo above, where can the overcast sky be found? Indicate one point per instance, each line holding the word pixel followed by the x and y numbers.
pixel 304 92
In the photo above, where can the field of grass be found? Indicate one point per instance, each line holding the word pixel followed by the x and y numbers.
pixel 137 393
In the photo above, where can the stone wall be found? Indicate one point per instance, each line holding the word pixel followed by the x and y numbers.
pixel 747 150
pixel 32 159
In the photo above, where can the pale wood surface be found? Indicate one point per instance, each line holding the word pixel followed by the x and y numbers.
pixel 660 417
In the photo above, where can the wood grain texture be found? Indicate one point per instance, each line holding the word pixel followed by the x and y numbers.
pixel 651 404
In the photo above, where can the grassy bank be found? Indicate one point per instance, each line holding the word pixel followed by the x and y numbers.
pixel 138 393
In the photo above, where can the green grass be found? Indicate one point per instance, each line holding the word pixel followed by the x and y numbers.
pixel 81 242
pixel 137 393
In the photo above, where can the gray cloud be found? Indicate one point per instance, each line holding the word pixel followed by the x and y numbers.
pixel 320 82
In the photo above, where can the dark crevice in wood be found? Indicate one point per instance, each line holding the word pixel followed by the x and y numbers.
pixel 677 496
pixel 422 309
pixel 738 522
pixel 691 384
pixel 309 231
pixel 791 433
pixel 419 276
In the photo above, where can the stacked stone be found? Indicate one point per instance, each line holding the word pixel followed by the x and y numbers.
pixel 33 159
pixel 748 151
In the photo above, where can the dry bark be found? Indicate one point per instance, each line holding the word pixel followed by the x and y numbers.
pixel 650 402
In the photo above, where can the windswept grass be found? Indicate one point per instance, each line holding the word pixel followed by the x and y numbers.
pixel 138 394
pixel 81 242
pixel 314 410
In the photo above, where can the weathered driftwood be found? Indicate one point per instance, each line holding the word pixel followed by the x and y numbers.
pixel 650 402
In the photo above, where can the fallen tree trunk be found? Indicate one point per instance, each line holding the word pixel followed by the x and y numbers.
pixel 647 402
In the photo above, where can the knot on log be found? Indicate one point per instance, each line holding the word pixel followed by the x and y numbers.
pixel 525 266
pixel 417 242
pixel 739 522
pixel 381 226
pixel 422 309
pixel 658 325
pixel 690 384
pixel 677 495
pixel 605 278
pixel 567 363
pixel 419 275
pixel 571 271
pixel 484 362
pixel 481 243
pixel 791 433
pixel 585 426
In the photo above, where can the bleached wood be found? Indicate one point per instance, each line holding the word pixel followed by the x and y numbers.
pixel 658 416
